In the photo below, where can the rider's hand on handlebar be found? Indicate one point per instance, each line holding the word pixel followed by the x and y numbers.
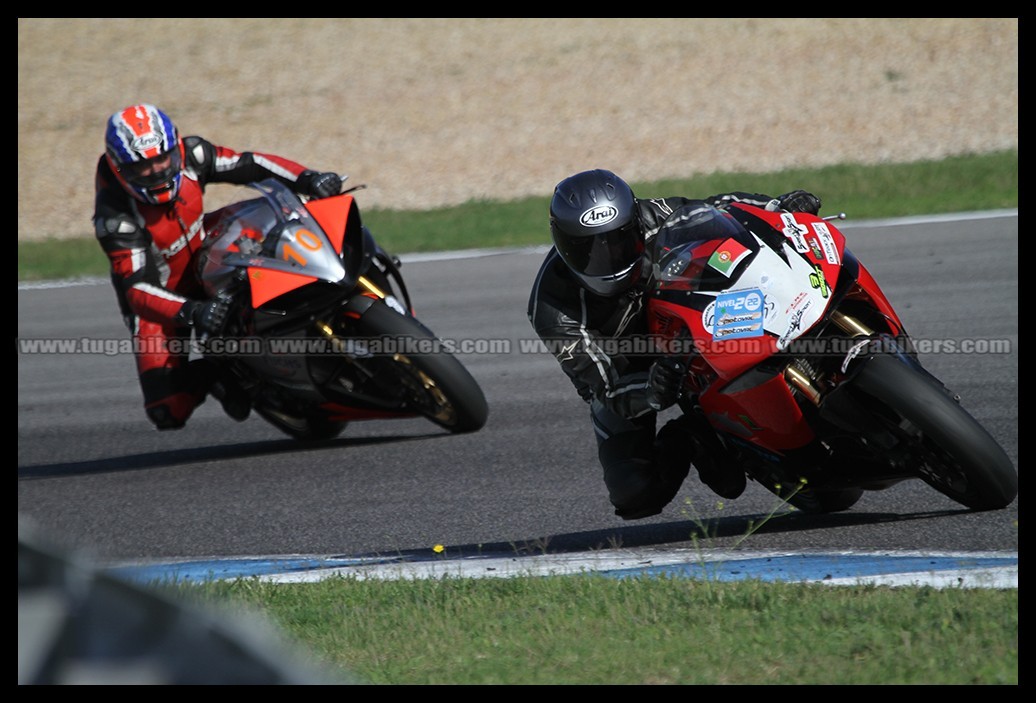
pixel 799 201
pixel 665 380
pixel 207 317
pixel 320 184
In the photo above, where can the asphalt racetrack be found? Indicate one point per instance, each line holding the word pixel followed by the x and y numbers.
pixel 95 476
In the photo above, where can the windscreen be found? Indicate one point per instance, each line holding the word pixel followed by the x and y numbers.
pixel 699 248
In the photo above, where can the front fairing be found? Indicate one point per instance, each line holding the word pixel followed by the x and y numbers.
pixel 742 298
pixel 277 241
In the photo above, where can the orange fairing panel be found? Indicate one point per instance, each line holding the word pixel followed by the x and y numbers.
pixel 331 214
pixel 267 284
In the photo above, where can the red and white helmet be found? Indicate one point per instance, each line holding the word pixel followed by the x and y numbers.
pixel 145 151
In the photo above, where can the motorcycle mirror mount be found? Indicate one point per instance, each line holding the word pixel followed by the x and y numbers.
pixel 839 216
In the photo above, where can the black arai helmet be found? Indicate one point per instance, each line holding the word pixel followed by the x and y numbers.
pixel 597 232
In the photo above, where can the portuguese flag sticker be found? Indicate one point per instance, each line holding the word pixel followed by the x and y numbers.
pixel 729 254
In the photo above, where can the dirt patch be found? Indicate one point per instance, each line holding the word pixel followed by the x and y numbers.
pixel 431 112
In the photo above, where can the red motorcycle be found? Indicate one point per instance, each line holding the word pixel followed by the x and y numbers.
pixel 803 367
pixel 321 330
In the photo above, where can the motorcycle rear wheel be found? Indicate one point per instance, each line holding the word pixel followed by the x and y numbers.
pixel 954 454
pixel 436 384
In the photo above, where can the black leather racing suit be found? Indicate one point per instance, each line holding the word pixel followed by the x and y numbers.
pixel 641 472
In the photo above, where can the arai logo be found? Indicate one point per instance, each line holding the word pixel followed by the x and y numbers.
pixel 146 141
pixel 597 216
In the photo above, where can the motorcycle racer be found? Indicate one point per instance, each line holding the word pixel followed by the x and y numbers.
pixel 589 289
pixel 150 222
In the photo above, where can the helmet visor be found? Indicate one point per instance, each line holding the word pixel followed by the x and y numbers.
pixel 156 171
pixel 606 254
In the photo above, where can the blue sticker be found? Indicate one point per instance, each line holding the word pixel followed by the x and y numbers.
pixel 739 314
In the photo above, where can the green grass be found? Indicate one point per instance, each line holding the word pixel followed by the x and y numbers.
pixel 978 182
pixel 591 629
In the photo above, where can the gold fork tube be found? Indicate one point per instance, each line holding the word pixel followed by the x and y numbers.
pixel 850 325
pixel 365 283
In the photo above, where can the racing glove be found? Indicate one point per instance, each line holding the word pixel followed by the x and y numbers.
pixel 320 184
pixel 207 317
pixel 799 201
pixel 665 380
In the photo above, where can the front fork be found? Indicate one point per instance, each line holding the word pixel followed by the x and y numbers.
pixel 799 375
pixel 837 405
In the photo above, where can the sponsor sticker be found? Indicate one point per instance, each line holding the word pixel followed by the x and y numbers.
pixel 827 242
pixel 795 232
pixel 738 314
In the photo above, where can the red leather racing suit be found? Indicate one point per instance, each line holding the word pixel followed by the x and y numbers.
pixel 151 250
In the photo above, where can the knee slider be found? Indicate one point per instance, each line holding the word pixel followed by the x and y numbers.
pixel 172 412
pixel 163 419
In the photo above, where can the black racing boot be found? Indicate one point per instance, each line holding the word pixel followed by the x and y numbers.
pixel 214 379
pixel 725 478
pixel 234 399
pixel 715 467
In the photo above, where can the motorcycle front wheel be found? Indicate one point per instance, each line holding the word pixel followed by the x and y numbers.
pixel 431 382
pixel 950 450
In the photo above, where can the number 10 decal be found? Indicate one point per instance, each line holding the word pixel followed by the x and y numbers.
pixel 307 240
